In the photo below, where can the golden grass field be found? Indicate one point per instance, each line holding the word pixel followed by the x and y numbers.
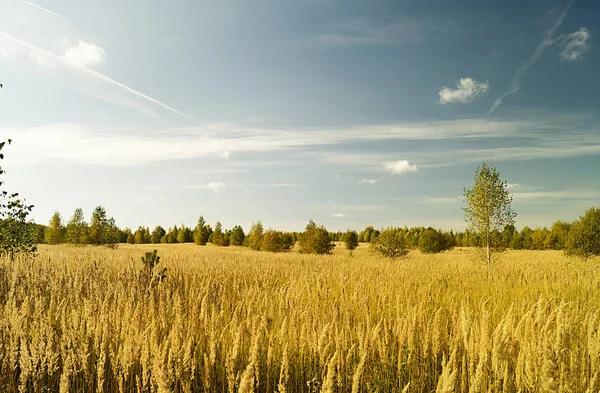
pixel 234 320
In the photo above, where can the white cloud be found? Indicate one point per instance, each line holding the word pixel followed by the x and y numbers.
pixel 512 186
pixel 575 45
pixel 338 215
pixel 399 167
pixel 336 175
pixel 369 181
pixel 83 54
pixel 216 186
pixel 466 90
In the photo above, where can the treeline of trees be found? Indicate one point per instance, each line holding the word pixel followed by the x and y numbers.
pixel 102 230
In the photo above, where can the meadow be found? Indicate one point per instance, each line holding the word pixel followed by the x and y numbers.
pixel 83 319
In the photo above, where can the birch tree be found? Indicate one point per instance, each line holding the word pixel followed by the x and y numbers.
pixel 488 211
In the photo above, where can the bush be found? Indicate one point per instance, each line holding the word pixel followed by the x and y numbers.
pixel 391 243
pixel 584 237
pixel 433 242
pixel 273 241
pixel 315 240
pixel 254 238
pixel 351 240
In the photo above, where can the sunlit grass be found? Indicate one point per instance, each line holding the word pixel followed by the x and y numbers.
pixel 80 319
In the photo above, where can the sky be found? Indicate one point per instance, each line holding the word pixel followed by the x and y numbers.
pixel 350 113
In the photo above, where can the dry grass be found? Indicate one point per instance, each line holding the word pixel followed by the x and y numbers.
pixel 234 320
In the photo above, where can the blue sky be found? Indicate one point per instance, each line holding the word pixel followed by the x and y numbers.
pixel 351 113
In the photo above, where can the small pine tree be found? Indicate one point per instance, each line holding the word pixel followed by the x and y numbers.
pixel 315 240
pixel 77 228
pixel 201 232
pixel 351 240
pixel 236 237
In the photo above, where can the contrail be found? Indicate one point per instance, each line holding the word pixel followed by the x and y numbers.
pixel 96 75
pixel 515 84
pixel 44 9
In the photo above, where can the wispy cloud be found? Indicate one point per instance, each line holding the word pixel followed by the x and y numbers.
pixel 216 186
pixel 557 194
pixel 394 34
pixel 515 84
pixel 44 9
pixel 399 167
pixel 85 71
pixel 338 215
pixel 466 90
pixel 443 201
pixel 369 181
pixel 512 186
pixel 83 54
pixel 575 45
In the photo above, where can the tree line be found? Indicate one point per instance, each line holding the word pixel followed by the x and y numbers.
pixel 102 230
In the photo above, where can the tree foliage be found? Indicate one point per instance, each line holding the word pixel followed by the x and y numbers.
pixel 103 230
pixel 254 238
pixel 273 241
pixel 17 231
pixel 391 243
pixel 77 228
pixel 433 241
pixel 488 210
pixel 584 237
pixel 351 240
pixel 236 236
pixel 315 240
pixel 201 232
pixel 55 231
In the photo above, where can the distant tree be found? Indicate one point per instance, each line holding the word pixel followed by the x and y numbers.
pixel 351 240
pixel 201 232
pixel 315 240
pixel 16 229
pixel 55 231
pixel 130 238
pixel 181 235
pixel 538 238
pixel 432 241
pixel 38 233
pixel 254 238
pixel 171 235
pixel 236 237
pixel 488 210
pixel 124 235
pixel 558 235
pixel 157 234
pixel 273 241
pixel 391 243
pixel 584 237
pixel 77 228
pixel 103 230
pixel 218 237
pixel 289 240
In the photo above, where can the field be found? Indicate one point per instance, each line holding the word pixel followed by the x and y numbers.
pixel 234 320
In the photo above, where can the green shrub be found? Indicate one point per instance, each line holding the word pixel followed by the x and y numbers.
pixel 584 237
pixel 391 243
pixel 432 241
pixel 351 240
pixel 315 240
